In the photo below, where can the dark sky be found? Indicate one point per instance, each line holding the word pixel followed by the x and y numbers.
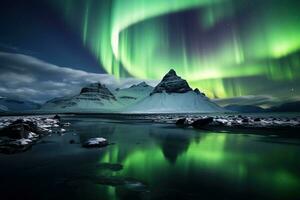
pixel 226 48
pixel 34 28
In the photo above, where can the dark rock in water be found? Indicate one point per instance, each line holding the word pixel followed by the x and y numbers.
pixel 257 120
pixel 110 166
pixel 182 122
pixel 245 120
pixel 72 141
pixel 200 123
pixel 56 117
pixel 95 142
pixel 171 83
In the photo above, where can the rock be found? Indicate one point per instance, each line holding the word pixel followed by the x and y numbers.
pixel 22 142
pixel 257 120
pixel 182 122
pixel 200 123
pixel 245 120
pixel 171 83
pixel 19 129
pixel 20 134
pixel 99 89
pixel 72 141
pixel 67 124
pixel 15 146
pixel 95 142
pixel 57 117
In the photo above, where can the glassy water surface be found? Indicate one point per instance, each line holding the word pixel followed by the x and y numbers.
pixel 153 161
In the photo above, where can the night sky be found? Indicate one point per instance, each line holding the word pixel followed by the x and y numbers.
pixel 227 48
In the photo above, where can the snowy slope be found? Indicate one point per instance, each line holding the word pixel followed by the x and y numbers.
pixel 189 102
pixel 133 94
pixel 171 95
pixel 174 95
pixel 82 104
pixel 92 98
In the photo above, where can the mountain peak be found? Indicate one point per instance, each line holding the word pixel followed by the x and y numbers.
pixel 172 72
pixel 141 84
pixel 171 83
pixel 97 88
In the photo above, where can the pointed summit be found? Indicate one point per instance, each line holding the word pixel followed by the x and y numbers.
pixel 171 73
pixel 171 83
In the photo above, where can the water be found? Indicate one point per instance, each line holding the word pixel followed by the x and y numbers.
pixel 160 161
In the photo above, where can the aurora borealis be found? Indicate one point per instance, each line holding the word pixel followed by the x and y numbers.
pixel 226 48
pixel 217 45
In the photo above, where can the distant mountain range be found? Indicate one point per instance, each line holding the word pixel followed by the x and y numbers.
pixel 14 105
pixel 171 95
pixel 285 107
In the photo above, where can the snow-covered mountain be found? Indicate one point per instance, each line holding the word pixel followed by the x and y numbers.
pixel 16 105
pixel 171 83
pixel 95 97
pixel 171 95
pixel 133 94
pixel 174 95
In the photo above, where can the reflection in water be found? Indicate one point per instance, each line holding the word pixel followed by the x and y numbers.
pixel 193 164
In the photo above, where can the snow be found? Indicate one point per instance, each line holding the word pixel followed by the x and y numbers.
pixel 93 141
pixel 83 103
pixel 189 102
pixel 95 101
pixel 32 135
pixel 23 141
pixel 129 96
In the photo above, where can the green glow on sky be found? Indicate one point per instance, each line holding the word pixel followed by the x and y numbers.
pixel 137 39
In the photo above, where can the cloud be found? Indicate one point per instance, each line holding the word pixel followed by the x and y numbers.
pixel 27 77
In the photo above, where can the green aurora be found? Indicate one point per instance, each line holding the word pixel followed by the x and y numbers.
pixel 224 47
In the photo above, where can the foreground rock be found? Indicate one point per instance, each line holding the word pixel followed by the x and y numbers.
pixel 235 122
pixel 20 129
pixel 19 134
pixel 201 123
pixel 95 142
pixel 182 122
